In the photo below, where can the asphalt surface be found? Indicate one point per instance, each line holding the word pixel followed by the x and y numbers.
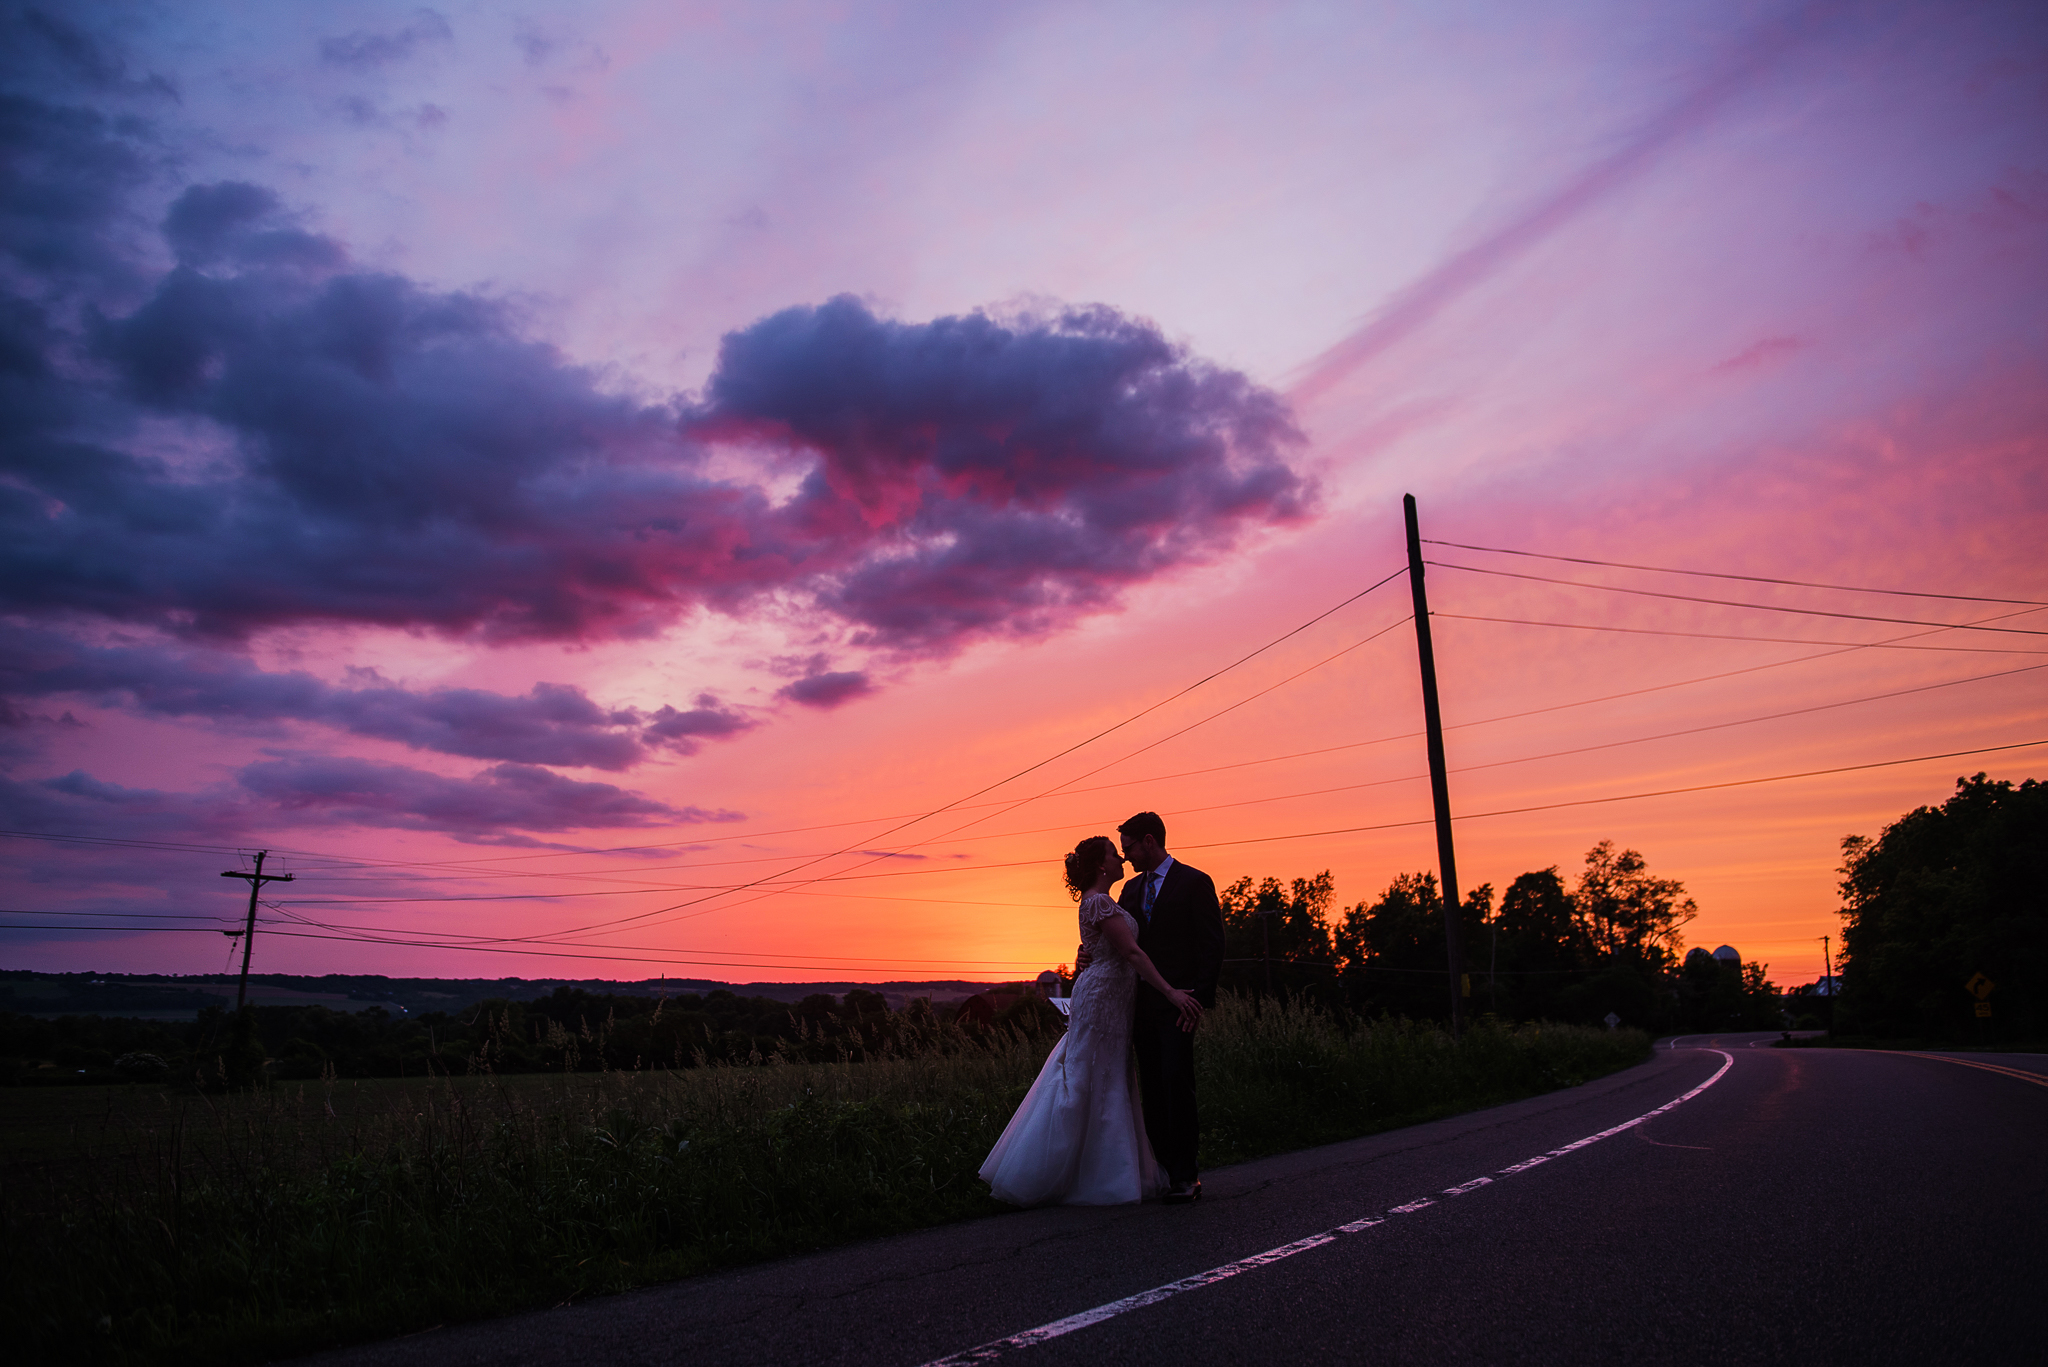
pixel 1809 1205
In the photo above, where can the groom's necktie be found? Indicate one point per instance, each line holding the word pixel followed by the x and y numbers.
pixel 1152 882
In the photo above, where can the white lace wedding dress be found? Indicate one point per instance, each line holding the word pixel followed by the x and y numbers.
pixel 1079 1137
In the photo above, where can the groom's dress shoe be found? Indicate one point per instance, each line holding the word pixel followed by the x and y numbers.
pixel 1183 1193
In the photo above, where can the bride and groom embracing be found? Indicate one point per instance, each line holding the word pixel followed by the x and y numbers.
pixel 1147 967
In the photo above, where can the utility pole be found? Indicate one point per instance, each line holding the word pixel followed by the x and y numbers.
pixel 1440 794
pixel 256 882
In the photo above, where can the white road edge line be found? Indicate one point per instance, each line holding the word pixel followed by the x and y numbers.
pixel 989 1352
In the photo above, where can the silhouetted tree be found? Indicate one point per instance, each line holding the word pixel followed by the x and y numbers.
pixel 1944 894
pixel 1627 915
pixel 1297 917
pixel 1391 954
pixel 1300 925
pixel 1718 995
pixel 1531 951
pixel 1537 917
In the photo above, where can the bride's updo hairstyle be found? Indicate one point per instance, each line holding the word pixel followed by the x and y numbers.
pixel 1084 865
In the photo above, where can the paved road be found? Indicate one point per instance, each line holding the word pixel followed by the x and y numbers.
pixel 1804 1206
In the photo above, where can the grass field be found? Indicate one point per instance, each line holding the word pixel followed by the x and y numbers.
pixel 146 1225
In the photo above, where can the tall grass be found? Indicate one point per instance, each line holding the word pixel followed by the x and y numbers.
pixel 279 1221
pixel 1291 1075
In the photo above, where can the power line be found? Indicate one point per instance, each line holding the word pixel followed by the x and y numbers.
pixel 884 835
pixel 1580 750
pixel 1317 792
pixel 712 955
pixel 1174 735
pixel 1064 787
pixel 499 946
pixel 109 930
pixel 1837 648
pixel 881 966
pixel 1840 649
pixel 123 840
pixel 1727 636
pixel 816 959
pixel 126 916
pixel 721 890
pixel 770 889
pixel 1424 821
pixel 611 875
pixel 1733 603
pixel 1747 721
pixel 1630 797
pixel 1750 578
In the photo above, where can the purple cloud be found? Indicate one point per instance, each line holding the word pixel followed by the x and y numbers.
pixel 681 731
pixel 335 790
pixel 399 457
pixel 1004 474
pixel 312 791
pixel 235 221
pixel 827 690
pixel 358 450
pixel 550 724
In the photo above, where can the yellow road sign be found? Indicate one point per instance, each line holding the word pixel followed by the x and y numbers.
pixel 1979 987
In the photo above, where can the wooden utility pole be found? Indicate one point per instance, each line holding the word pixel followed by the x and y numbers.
pixel 256 882
pixel 1439 792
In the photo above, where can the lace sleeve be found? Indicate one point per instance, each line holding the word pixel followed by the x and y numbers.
pixel 1095 908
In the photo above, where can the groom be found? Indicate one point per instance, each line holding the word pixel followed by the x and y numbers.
pixel 1180 926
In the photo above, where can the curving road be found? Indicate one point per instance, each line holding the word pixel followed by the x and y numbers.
pixel 1724 1202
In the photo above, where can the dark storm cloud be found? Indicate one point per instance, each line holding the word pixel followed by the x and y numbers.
pixel 1005 474
pixel 232 220
pixel 265 435
pixel 551 724
pixel 65 177
pixel 387 455
pixel 33 38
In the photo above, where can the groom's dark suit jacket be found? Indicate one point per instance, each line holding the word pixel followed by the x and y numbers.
pixel 1183 936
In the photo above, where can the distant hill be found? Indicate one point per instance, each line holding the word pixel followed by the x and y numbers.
pixel 171 997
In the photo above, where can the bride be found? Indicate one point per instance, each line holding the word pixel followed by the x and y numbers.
pixel 1079 1138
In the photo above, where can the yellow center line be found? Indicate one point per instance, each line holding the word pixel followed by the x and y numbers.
pixel 2022 1074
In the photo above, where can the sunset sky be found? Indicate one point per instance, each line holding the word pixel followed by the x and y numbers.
pixel 621 489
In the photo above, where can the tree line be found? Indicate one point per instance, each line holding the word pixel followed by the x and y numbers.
pixel 1945 919
pixel 1609 942
pixel 569 1030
